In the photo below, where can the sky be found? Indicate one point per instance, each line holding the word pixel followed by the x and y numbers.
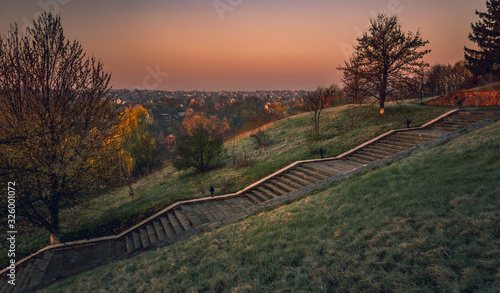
pixel 239 44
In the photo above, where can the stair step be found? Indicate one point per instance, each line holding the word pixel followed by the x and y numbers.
pixel 370 154
pixel 174 223
pixel 197 210
pixel 229 206
pixel 25 281
pixel 167 226
pixel 100 251
pixel 368 159
pixel 294 183
pixel 401 138
pixel 153 238
pixel 378 150
pixel 19 276
pixel 275 189
pixel 41 264
pixel 354 159
pixel 282 185
pixel 442 128
pixel 129 243
pixel 260 195
pixel 242 202
pixel 304 176
pixel 253 198
pixel 191 215
pixel 206 209
pixel 316 175
pixel 267 192
pixel 319 169
pixel 398 143
pixel 137 240
pixel 455 121
pixel 236 204
pixel 160 231
pixel 144 237
pixel 385 147
pixel 339 169
pixel 390 144
pixel 453 126
pixel 183 220
pixel 417 135
pixel 342 165
pixel 120 247
pixel 221 210
pixel 329 168
pixel 297 179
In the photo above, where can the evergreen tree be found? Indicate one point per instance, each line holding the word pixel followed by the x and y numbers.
pixel 486 35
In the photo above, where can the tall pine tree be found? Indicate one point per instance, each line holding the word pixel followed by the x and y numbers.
pixel 486 34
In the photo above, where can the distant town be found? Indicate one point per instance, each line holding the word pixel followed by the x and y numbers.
pixel 171 106
pixel 151 96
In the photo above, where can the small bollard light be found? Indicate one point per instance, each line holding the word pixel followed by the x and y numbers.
pixel 459 103
pixel 408 122
pixel 321 152
pixel 212 189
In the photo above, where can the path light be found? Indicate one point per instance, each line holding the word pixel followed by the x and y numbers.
pixel 408 122
pixel 459 104
pixel 321 152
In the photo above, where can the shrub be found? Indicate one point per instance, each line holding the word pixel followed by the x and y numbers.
pixel 199 150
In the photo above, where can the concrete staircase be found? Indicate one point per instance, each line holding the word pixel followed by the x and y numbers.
pixel 188 217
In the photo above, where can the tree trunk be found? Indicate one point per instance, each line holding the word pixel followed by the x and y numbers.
pixel 54 239
pixel 382 110
pixel 383 90
pixel 130 188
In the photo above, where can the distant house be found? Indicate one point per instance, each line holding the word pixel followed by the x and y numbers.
pixel 170 142
pixel 132 105
pixel 170 139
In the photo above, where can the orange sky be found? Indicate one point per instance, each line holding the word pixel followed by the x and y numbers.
pixel 239 44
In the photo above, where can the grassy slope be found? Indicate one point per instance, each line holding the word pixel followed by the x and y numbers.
pixel 429 222
pixel 117 211
pixel 289 144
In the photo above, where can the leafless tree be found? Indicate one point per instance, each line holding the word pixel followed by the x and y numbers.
pixel 316 101
pixel 355 86
pixel 59 131
pixel 385 56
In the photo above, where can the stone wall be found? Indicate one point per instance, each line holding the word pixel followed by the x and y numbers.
pixel 469 99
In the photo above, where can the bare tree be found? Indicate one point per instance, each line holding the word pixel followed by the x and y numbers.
pixel 355 86
pixel 59 131
pixel 318 100
pixel 385 56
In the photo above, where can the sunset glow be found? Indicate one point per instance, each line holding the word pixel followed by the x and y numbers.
pixel 239 45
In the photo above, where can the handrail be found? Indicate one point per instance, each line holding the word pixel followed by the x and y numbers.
pixel 238 193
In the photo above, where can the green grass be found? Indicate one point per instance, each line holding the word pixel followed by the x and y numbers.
pixel 291 141
pixel 426 223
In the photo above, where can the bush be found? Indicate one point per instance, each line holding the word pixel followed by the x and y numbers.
pixel 198 150
pixel 261 139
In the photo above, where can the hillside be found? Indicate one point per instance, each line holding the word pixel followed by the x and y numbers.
pixel 483 96
pixel 428 222
pixel 289 141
